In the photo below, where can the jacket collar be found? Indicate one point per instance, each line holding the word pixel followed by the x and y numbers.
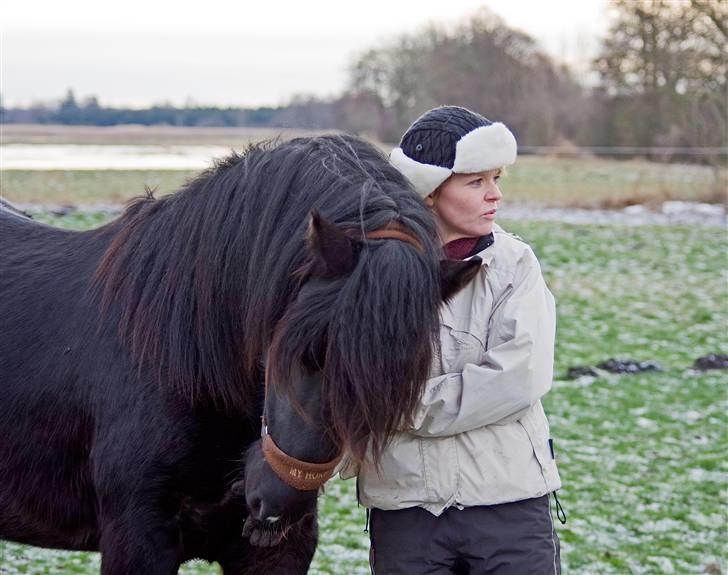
pixel 488 254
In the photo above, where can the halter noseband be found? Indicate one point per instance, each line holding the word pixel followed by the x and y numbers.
pixel 303 475
pixel 300 475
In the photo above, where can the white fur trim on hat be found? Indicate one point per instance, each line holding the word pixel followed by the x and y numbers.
pixel 485 148
pixel 424 177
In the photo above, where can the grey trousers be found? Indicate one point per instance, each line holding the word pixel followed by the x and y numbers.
pixel 508 539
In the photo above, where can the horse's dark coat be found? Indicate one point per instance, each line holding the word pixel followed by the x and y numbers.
pixel 130 355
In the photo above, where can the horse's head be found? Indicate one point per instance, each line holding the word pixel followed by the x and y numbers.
pixel 347 364
pixel 293 459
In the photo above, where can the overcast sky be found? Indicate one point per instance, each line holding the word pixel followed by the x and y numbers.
pixel 238 53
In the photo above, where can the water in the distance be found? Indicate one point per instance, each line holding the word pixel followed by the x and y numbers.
pixel 107 157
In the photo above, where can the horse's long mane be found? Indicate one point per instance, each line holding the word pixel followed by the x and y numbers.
pixel 201 279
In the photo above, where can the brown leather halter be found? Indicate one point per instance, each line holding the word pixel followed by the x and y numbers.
pixel 395 231
pixel 302 475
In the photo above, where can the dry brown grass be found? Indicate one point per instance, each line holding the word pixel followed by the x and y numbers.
pixel 570 180
pixel 130 135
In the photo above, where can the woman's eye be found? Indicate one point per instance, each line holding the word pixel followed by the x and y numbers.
pixel 496 178
pixel 476 183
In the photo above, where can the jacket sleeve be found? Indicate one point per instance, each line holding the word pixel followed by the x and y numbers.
pixel 517 368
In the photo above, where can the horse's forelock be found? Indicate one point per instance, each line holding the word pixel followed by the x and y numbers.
pixel 380 347
pixel 378 325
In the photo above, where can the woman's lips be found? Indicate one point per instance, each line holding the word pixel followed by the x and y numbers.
pixel 489 215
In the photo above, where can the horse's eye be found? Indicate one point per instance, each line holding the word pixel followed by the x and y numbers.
pixel 313 359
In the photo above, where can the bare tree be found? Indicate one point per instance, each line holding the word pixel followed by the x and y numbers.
pixel 480 64
pixel 663 68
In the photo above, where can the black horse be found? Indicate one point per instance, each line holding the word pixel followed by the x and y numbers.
pixel 132 356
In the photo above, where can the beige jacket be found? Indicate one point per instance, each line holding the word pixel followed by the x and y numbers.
pixel 480 436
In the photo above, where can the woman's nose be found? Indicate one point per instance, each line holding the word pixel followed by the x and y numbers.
pixel 493 193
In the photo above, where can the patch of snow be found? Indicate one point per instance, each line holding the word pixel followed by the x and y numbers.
pixel 671 213
pixel 690 213
pixel 701 475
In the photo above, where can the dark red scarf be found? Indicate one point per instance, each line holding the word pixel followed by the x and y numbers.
pixel 466 247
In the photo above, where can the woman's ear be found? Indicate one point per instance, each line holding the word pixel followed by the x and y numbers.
pixel 430 201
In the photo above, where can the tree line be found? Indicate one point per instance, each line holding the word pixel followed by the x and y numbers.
pixel 659 80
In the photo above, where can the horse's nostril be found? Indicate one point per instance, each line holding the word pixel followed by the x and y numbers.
pixel 255 505
pixel 264 511
pixel 238 488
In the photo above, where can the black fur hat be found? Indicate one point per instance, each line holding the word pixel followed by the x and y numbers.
pixel 448 140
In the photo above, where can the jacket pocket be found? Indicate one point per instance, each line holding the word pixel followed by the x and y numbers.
pixel 458 347
pixel 537 429
pixel 400 481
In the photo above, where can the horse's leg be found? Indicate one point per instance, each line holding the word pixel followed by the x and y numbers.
pixel 292 556
pixel 137 542
pixel 138 532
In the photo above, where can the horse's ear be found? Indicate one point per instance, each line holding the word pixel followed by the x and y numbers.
pixel 455 275
pixel 336 252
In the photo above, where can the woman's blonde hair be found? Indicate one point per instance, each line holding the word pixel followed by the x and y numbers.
pixel 502 172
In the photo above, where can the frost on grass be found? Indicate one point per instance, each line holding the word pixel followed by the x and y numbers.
pixel 343 544
pixel 642 456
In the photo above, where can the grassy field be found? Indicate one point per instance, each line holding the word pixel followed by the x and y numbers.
pixel 587 182
pixel 642 456
pixel 564 181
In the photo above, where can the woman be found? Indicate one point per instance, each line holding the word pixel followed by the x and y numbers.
pixel 466 488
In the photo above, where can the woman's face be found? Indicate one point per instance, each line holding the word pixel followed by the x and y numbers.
pixel 465 205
